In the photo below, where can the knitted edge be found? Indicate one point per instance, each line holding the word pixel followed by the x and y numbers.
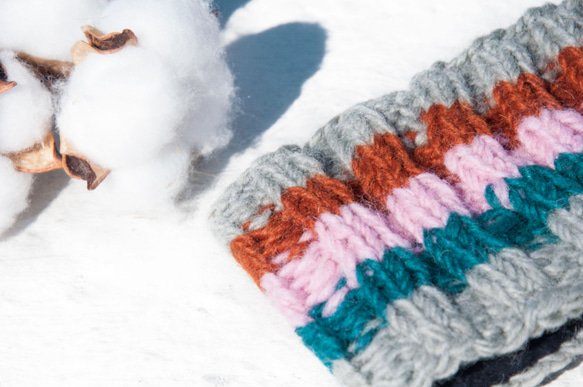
pixel 470 77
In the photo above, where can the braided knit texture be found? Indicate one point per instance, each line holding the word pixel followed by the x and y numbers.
pixel 432 228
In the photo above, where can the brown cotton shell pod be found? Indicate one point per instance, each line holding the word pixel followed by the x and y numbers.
pixel 42 157
pixel 5 85
pixel 47 70
pixel 80 167
pixel 101 43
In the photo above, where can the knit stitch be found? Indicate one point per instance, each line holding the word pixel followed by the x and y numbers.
pixel 435 234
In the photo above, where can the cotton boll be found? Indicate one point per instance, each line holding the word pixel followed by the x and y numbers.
pixel 13 193
pixel 120 110
pixel 207 126
pixel 131 111
pixel 148 188
pixel 26 110
pixel 182 31
pixel 45 28
pixel 186 35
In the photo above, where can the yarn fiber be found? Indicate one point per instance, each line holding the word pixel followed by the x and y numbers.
pixel 434 236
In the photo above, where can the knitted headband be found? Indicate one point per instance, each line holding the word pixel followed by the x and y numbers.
pixel 434 236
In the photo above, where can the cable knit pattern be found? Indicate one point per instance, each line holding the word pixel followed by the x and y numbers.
pixel 428 235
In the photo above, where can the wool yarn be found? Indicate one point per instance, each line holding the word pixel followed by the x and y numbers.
pixel 434 236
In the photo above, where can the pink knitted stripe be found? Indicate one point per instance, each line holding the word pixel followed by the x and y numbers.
pixel 339 244
pixel 426 203
pixel 342 241
pixel 485 162
pixel 543 137
pixel 479 164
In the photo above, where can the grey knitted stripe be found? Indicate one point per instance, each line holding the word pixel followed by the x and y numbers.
pixel 261 185
pixel 514 297
pixel 527 46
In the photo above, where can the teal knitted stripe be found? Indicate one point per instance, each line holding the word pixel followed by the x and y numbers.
pixel 449 253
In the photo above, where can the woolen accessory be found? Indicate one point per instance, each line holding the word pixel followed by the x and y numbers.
pixel 434 236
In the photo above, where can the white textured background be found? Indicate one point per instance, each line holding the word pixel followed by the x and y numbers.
pixel 92 297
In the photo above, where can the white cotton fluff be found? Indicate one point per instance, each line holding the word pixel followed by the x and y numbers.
pixel 132 110
pixel 186 34
pixel 26 110
pixel 146 188
pixel 45 28
pixel 14 188
pixel 120 110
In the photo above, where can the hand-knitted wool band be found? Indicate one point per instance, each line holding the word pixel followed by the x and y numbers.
pixel 434 236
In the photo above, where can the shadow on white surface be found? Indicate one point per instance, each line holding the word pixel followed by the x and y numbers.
pixel 46 187
pixel 269 69
pixel 227 7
